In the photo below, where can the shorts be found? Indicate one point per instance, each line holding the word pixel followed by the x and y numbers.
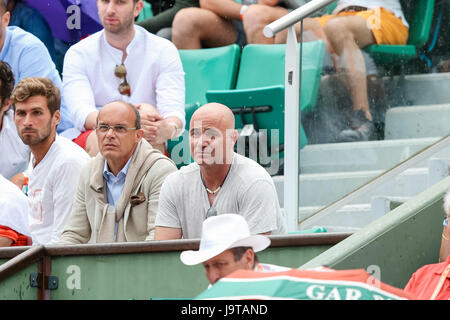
pixel 82 138
pixel 241 38
pixel 385 26
pixel 17 238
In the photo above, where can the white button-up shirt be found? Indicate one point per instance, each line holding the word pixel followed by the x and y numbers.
pixel 154 73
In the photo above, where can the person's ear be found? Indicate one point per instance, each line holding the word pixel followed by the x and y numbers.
pixel 6 105
pixel 139 134
pixel 249 257
pixel 5 19
pixel 56 117
pixel 138 8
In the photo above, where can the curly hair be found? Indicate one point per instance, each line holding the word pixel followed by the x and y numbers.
pixel 34 86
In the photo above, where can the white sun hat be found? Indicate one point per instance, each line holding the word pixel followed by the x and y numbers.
pixel 221 233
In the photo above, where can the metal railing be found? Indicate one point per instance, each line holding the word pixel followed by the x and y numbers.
pixel 377 181
pixel 292 99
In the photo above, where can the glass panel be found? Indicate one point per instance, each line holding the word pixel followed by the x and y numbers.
pixel 409 100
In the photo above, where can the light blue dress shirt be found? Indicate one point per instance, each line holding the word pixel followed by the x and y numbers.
pixel 28 57
pixel 114 186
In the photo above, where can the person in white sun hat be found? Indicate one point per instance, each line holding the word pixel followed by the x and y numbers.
pixel 226 246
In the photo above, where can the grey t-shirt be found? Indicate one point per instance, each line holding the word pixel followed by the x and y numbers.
pixel 248 190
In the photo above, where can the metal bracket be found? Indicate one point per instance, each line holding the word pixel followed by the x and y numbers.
pixel 36 280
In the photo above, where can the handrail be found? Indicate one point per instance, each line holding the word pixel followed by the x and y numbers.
pixel 292 103
pixel 42 256
pixel 159 246
pixel 378 180
pixel 294 16
pixel 21 261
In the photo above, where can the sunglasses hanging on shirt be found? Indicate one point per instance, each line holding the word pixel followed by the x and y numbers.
pixel 121 72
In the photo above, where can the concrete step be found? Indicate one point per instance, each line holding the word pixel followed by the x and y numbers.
pixel 417 122
pixel 425 89
pixel 350 216
pixel 324 188
pixel 359 156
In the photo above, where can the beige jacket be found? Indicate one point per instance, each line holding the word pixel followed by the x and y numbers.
pixel 146 173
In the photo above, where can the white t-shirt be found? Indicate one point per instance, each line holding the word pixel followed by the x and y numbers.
pixel 248 190
pixel 13 207
pixel 393 6
pixel 52 186
pixel 154 72
pixel 14 154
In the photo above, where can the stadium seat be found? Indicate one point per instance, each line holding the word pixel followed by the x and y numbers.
pixel 212 68
pixel 258 99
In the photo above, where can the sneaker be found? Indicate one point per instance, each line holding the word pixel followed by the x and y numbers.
pixel 362 128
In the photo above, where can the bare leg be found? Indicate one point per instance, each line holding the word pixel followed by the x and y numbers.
pixel 196 28
pixel 346 36
pixel 256 17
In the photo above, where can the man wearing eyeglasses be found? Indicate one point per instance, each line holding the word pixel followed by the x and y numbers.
pixel 55 161
pixel 125 62
pixel 219 181
pixel 118 191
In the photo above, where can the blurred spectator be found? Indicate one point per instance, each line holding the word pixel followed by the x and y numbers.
pixel 55 161
pixel 14 227
pixel 432 281
pixel 161 24
pixel 445 241
pixel 117 195
pixel 29 19
pixel 28 57
pixel 109 66
pixel 219 181
pixel 219 23
pixel 353 25
pixel 15 155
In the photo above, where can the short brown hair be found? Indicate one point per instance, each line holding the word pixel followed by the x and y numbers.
pixel 238 253
pixel 30 87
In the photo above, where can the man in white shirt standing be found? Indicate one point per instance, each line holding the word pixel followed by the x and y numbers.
pixel 55 161
pixel 125 62
pixel 15 154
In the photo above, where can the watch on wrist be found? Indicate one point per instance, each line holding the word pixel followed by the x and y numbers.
pixel 241 13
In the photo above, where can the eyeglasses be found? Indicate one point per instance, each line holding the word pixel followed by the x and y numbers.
pixel 119 129
pixel 212 212
pixel 121 72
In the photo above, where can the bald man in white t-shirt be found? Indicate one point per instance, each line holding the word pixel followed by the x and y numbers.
pixel 219 181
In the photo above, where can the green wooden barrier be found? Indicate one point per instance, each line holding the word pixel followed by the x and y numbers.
pixel 145 271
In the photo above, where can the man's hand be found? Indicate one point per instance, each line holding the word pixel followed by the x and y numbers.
pixel 18 180
pixel 156 129
pixel 150 123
